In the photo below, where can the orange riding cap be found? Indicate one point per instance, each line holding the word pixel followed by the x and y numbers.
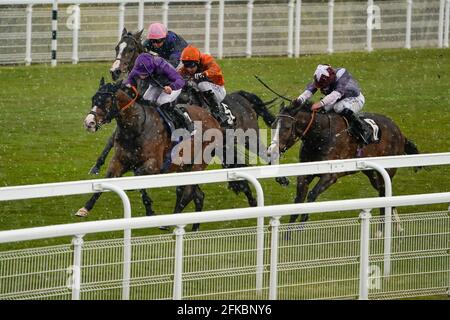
pixel 206 65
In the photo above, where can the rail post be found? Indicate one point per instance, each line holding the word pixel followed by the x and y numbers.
pixel 387 212
pixel 165 10
pixel 220 29
pixel 364 255
pixel 100 187
pixel 248 51
pixel 178 268
pixel 207 26
pixel 54 31
pixel 447 23
pixel 330 25
pixel 29 33
pixel 273 278
pixel 369 25
pixel 409 4
pixel 298 19
pixel 141 15
pixel 260 224
pixel 441 23
pixel 290 28
pixel 77 242
pixel 121 19
pixel 76 27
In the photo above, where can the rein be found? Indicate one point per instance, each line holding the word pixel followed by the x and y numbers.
pixel 313 116
pixel 125 107
pixel 294 130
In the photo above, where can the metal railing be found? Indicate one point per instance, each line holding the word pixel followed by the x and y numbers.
pixel 362 239
pixel 263 27
pixel 250 174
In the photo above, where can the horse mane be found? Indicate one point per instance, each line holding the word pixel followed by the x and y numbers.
pixel 292 110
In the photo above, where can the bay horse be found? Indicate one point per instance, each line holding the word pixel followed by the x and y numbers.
pixel 325 137
pixel 245 106
pixel 142 142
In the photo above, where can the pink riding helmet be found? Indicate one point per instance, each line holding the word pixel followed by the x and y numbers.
pixel 156 31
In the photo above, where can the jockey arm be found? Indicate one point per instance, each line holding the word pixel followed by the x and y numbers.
pixel 327 100
pixel 310 90
pixel 330 99
pixel 212 70
pixel 176 81
pixel 131 80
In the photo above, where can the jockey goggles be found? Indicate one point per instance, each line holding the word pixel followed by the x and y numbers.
pixel 190 64
pixel 157 40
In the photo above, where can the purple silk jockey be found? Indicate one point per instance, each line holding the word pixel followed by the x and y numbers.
pixel 165 85
pixel 165 82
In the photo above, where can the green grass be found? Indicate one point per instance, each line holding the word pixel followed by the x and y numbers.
pixel 42 137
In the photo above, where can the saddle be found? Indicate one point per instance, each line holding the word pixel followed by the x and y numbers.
pixel 364 129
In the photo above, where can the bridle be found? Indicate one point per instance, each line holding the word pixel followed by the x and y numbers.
pixel 134 50
pixel 293 127
pixel 115 107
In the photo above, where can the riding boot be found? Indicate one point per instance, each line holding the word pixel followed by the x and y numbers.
pixel 179 117
pixel 184 117
pixel 217 110
pixel 357 127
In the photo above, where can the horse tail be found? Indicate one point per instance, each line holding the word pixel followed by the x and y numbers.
pixel 259 106
pixel 411 148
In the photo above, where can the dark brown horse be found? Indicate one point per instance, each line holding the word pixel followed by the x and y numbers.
pixel 143 142
pixel 325 137
pixel 245 106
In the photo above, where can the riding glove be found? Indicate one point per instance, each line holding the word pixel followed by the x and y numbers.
pixel 200 77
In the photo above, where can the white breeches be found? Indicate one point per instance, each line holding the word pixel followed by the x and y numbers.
pixel 158 96
pixel 219 91
pixel 353 103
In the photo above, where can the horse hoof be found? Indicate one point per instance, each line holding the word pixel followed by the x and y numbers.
pixel 283 181
pixel 164 228
pixel 83 212
pixel 94 170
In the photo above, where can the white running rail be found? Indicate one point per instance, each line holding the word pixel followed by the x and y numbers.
pixel 251 174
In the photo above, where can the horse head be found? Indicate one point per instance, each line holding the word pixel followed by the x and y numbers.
pixel 127 50
pixel 104 106
pixel 288 128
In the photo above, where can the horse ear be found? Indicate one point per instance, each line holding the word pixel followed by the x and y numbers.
pixel 138 35
pixel 102 82
pixel 124 32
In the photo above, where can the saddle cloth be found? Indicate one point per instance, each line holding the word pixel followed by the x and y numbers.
pixel 375 129
pixel 229 114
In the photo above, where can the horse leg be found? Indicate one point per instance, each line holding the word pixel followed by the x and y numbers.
pixel 199 198
pixel 116 169
pixel 238 186
pixel 147 201
pixel 185 194
pixel 302 189
pixel 101 159
pixel 325 181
